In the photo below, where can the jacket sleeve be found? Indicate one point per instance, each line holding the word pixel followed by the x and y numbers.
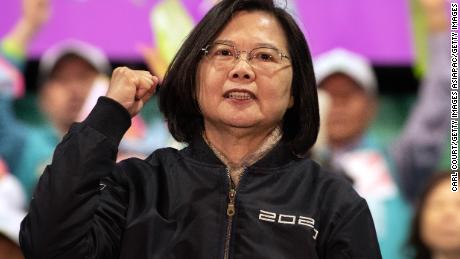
pixel 354 236
pixel 13 133
pixel 10 50
pixel 78 209
pixel 418 150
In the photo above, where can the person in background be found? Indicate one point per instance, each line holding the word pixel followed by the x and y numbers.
pixel 67 73
pixel 12 211
pixel 417 151
pixel 349 82
pixel 389 177
pixel 72 75
pixel 13 46
pixel 435 230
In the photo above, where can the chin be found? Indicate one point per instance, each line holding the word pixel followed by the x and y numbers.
pixel 237 119
pixel 240 124
pixel 337 138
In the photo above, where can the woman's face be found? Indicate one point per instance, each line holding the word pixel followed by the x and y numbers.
pixel 241 95
pixel 440 220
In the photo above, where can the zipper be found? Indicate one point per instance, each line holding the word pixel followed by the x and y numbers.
pixel 231 209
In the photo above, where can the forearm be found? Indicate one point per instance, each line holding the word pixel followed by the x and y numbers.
pixel 70 215
pixel 419 147
pixel 34 14
pixel 15 44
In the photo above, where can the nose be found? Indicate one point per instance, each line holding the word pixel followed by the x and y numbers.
pixel 79 89
pixel 242 71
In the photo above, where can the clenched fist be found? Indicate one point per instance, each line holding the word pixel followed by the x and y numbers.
pixel 36 12
pixel 132 88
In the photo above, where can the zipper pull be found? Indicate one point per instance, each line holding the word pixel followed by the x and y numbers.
pixel 231 203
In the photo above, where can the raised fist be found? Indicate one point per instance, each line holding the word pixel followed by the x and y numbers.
pixel 36 12
pixel 132 88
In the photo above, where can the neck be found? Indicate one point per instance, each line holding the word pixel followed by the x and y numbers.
pixel 61 128
pixel 236 143
pixel 338 145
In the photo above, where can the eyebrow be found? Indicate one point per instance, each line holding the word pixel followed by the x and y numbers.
pixel 258 45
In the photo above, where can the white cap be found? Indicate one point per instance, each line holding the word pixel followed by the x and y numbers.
pixel 12 211
pixel 91 54
pixel 346 62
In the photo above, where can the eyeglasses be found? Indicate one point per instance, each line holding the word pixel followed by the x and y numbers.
pixel 225 55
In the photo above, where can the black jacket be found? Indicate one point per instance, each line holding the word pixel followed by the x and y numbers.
pixel 174 203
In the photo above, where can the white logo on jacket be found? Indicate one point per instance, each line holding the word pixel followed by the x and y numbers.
pixel 288 219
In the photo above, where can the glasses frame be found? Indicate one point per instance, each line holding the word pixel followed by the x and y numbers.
pixel 238 52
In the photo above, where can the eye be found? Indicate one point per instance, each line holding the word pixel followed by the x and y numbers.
pixel 266 55
pixel 222 51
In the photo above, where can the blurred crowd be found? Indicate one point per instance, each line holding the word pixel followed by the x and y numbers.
pixel 415 213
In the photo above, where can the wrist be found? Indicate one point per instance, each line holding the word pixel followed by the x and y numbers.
pixel 29 28
pixel 437 22
pixel 20 35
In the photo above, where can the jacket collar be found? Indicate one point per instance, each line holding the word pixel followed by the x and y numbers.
pixel 278 156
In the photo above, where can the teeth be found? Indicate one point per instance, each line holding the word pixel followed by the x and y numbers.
pixel 239 96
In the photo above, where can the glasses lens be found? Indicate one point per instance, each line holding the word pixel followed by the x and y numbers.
pixel 221 52
pixel 224 56
pixel 266 55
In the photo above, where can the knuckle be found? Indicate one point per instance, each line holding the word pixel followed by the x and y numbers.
pixel 120 71
pixel 116 71
pixel 123 70
pixel 133 80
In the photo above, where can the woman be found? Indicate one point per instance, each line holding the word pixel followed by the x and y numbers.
pixel 241 92
pixel 436 227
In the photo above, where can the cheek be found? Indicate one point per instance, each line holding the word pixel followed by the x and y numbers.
pixel 61 97
pixel 430 221
pixel 426 226
pixel 208 93
pixel 427 219
pixel 53 95
pixel 355 111
pixel 85 89
pixel 276 95
pixel 356 108
pixel 209 88
pixel 204 97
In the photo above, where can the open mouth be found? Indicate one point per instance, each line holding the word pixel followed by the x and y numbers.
pixel 239 95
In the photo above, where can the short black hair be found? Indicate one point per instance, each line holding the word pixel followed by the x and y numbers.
pixel 178 100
